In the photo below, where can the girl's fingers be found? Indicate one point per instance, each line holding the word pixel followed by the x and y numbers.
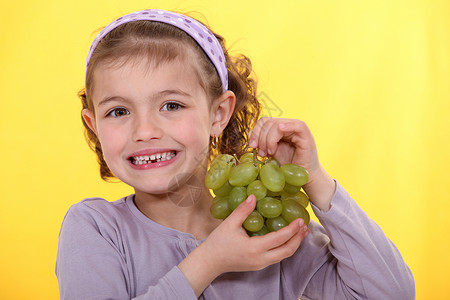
pixel 298 128
pixel 264 136
pixel 287 249
pixel 254 137
pixel 274 135
pixel 269 131
pixel 238 216
pixel 277 238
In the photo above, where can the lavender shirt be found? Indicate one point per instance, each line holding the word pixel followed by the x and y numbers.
pixel 110 250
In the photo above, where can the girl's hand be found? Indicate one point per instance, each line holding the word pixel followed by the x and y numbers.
pixel 234 250
pixel 229 249
pixel 291 141
pixel 286 140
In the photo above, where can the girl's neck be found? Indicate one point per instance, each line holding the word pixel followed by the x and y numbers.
pixel 186 209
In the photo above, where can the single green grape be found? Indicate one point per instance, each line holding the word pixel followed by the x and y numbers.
pixel 257 188
pixel 237 195
pixel 246 157
pixel 227 158
pixel 274 224
pixel 291 189
pixel 272 177
pixel 293 210
pixel 219 208
pixel 261 232
pixel 243 174
pixel 301 198
pixel 217 174
pixel 254 222
pixel 272 161
pixel 269 207
pixel 224 190
pixel 294 174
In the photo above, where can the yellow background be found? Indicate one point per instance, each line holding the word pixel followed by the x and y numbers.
pixel 370 78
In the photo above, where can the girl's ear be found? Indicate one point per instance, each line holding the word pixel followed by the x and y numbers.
pixel 89 119
pixel 223 108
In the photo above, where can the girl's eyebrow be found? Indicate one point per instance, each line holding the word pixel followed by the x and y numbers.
pixel 110 99
pixel 173 92
pixel 158 94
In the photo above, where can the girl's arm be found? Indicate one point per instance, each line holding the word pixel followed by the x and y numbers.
pixel 350 256
pixel 91 263
pixel 357 260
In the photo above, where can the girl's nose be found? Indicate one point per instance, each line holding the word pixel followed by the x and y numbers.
pixel 146 129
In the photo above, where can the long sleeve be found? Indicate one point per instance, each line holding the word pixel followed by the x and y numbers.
pixel 364 263
pixel 93 263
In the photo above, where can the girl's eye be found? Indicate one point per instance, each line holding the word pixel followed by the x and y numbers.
pixel 118 112
pixel 171 106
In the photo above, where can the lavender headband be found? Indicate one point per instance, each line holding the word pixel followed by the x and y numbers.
pixel 195 29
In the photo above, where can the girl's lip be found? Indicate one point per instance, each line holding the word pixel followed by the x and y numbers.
pixel 153 165
pixel 149 152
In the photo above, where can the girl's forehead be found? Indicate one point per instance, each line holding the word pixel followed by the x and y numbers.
pixel 140 74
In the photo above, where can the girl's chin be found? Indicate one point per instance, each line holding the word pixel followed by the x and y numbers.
pixel 154 189
pixel 173 185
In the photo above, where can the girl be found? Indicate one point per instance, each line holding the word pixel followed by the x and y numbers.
pixel 159 87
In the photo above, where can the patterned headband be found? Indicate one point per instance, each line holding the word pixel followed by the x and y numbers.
pixel 195 29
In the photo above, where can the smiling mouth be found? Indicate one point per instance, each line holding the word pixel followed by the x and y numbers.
pixel 149 159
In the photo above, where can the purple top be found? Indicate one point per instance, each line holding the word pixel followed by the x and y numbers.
pixel 110 250
pixel 202 35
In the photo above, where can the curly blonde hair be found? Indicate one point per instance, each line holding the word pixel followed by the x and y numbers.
pixel 160 43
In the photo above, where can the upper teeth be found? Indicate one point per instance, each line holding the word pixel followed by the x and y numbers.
pixel 145 159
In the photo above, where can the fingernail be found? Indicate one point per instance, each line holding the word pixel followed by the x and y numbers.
pixel 270 151
pixel 249 199
pixel 301 222
pixel 262 153
pixel 253 143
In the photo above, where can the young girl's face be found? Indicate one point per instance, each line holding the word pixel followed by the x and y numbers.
pixel 144 114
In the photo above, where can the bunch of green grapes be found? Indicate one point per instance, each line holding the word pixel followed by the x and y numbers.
pixel 277 189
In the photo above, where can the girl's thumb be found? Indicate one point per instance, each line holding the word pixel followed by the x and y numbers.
pixel 243 210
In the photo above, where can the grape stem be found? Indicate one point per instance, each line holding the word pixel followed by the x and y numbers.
pixel 256 160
